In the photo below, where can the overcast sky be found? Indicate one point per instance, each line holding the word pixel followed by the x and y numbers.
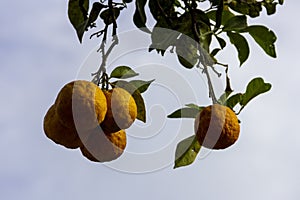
pixel 39 53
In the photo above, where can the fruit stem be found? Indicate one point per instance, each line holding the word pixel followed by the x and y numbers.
pixel 101 76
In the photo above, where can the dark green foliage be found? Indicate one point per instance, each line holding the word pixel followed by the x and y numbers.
pixel 108 17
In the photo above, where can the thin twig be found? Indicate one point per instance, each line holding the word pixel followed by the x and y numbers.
pixel 210 85
pixel 101 73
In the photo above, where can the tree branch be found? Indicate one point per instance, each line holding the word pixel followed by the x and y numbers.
pixel 196 34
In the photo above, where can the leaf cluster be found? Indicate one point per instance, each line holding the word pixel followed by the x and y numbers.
pixel 222 19
pixel 83 18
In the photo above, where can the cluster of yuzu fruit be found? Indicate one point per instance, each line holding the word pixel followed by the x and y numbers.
pixel 94 120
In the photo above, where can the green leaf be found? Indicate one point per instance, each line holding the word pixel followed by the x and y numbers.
pixel 219 14
pixel 109 17
pixel 184 113
pixel 163 38
pixel 236 23
pixel 94 14
pixel 141 85
pixel 186 151
pixel 184 25
pixel 232 101
pixel 251 8
pixel 228 89
pixel 141 110
pixel 213 2
pixel 123 72
pixel 139 17
pixel 156 7
pixel 222 99
pixel 215 51
pixel 270 7
pixel 255 87
pixel 241 45
pixel 185 63
pixel 226 15
pixel 264 37
pixel 186 50
pixel 78 16
pixel 221 42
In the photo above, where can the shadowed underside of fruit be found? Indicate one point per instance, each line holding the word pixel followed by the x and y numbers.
pixel 58 133
pixel 102 147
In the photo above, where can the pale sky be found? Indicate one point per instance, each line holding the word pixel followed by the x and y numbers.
pixel 39 53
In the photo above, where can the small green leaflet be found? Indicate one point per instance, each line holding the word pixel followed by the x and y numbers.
pixel 221 41
pixel 123 72
pixel 186 151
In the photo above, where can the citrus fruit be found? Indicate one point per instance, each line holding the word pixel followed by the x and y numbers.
pixel 217 127
pixel 102 147
pixel 81 104
pixel 121 110
pixel 57 132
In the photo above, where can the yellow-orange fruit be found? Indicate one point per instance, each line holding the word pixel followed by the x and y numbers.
pixel 102 147
pixel 217 127
pixel 121 110
pixel 81 104
pixel 57 132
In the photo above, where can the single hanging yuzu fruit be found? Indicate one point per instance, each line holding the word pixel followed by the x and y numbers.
pixel 217 127
pixel 81 104
pixel 121 110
